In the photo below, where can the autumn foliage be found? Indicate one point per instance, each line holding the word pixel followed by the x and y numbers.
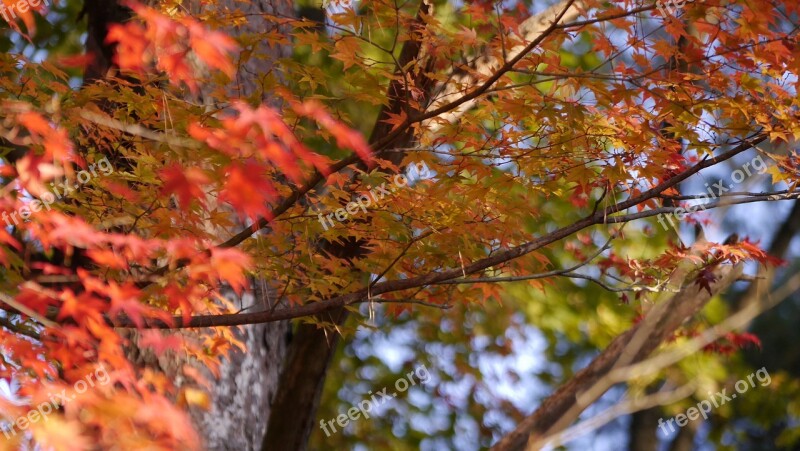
pixel 133 275
pixel 212 191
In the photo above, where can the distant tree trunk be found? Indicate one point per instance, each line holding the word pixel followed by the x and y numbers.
pixel 242 396
pixel 684 441
pixel 641 430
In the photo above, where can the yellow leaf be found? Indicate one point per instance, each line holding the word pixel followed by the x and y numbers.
pixel 346 49
pixel 194 397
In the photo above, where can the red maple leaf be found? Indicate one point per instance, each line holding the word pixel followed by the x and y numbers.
pixel 705 278
pixel 248 189
pixel 159 342
pixel 186 183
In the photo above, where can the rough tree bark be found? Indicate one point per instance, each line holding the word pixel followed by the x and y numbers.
pixel 241 397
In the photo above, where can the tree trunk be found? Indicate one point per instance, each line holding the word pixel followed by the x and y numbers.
pixel 684 441
pixel 248 381
pixel 642 430
pixel 243 394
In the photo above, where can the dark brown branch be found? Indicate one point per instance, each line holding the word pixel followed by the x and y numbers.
pixel 566 272
pixel 556 272
pixel 600 217
pixel 20 329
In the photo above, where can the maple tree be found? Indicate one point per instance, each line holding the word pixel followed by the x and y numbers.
pixel 555 138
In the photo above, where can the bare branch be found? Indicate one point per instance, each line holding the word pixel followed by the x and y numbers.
pixel 412 301
pixel 599 217
pixel 543 275
pixel 626 407
pixel 563 406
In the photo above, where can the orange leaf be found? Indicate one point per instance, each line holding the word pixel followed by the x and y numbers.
pixel 231 265
pixel 60 435
pixel 212 47
pixel 248 190
pixel 16 9
pixel 185 183
pixel 107 258
pixel 160 342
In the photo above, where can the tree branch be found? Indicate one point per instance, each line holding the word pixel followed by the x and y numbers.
pixel 661 361
pixel 626 407
pixel 600 217
pixel 562 407
pixel 19 329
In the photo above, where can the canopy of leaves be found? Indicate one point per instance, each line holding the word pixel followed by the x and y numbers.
pixel 152 197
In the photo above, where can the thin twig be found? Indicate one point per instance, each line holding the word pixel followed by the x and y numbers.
pixel 5 322
pixel 627 407
pixel 557 272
